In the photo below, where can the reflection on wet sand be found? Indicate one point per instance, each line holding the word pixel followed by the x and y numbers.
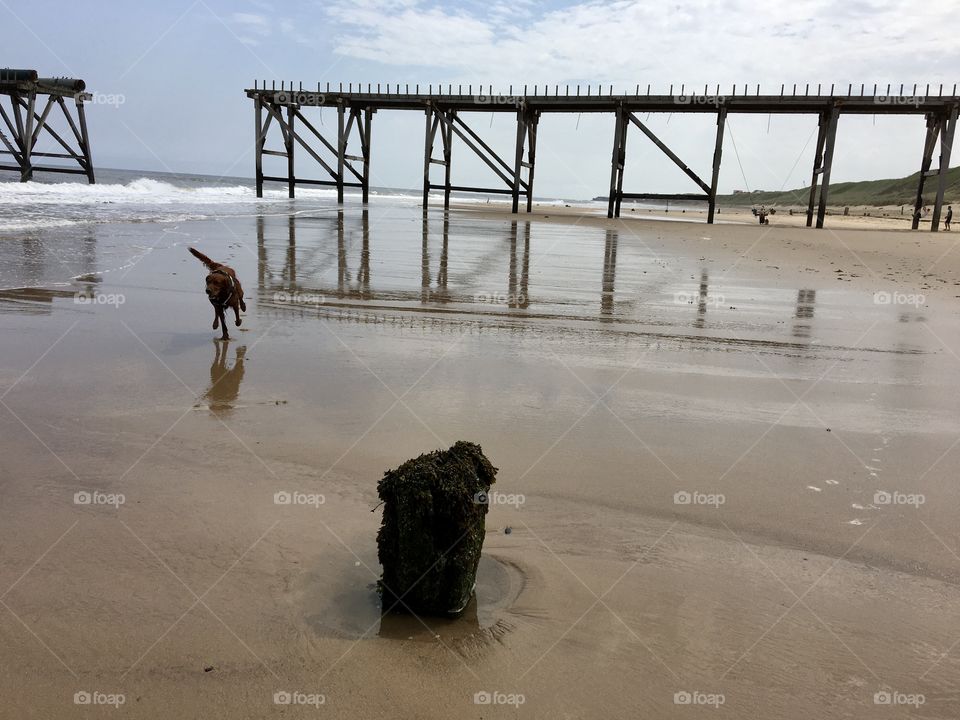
pixel 701 320
pixel 609 273
pixel 35 295
pixel 806 300
pixel 38 259
pixel 225 381
pixel 352 268
pixel 356 285
pixel 518 295
pixel 354 610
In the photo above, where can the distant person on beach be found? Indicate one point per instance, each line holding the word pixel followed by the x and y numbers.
pixel 946 222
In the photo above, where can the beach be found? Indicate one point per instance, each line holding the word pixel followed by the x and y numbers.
pixel 727 458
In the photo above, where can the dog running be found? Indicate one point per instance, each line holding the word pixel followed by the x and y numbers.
pixel 223 290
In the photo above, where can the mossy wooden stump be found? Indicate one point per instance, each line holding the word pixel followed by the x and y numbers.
pixel 431 536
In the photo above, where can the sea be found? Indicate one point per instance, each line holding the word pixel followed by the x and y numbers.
pixel 125 196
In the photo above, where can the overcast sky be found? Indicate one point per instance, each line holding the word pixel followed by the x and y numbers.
pixel 181 67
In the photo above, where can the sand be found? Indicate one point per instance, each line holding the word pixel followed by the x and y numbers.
pixel 612 370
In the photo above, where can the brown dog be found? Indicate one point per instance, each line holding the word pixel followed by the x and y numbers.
pixel 223 290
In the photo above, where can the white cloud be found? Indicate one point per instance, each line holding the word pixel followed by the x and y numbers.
pixel 628 41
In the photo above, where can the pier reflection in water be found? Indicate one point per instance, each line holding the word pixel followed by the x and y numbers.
pixel 309 263
pixel 806 299
pixel 368 262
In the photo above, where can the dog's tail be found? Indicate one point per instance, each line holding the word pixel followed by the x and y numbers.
pixel 204 259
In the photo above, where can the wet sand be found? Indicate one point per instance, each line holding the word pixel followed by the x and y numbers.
pixel 604 367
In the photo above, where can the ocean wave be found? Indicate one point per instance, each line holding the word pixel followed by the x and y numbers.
pixel 142 191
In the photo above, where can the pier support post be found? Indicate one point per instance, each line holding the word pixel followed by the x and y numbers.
pixel 291 180
pixel 531 155
pixel 518 158
pixel 341 149
pixel 817 166
pixel 624 127
pixel 84 139
pixel 258 144
pixel 26 141
pixel 717 153
pixel 616 164
pixel 831 139
pixel 948 127
pixel 365 142
pixel 430 128
pixel 933 132
pixel 446 133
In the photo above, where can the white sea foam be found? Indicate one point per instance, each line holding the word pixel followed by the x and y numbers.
pixel 34 205
pixel 143 191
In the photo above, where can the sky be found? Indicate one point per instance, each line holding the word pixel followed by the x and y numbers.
pixel 168 79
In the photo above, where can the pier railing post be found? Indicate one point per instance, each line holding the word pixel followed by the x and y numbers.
pixel 948 127
pixel 827 163
pixel 717 153
pixel 933 131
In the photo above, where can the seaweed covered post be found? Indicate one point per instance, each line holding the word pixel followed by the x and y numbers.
pixel 431 535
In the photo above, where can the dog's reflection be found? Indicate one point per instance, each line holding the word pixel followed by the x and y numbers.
pixel 224 381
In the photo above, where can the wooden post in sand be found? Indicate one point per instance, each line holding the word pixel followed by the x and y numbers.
pixel 717 153
pixel 948 127
pixel 933 132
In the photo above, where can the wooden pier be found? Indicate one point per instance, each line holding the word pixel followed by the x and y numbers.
pixel 444 108
pixel 25 92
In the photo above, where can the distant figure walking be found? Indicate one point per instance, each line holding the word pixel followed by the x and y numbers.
pixel 946 222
